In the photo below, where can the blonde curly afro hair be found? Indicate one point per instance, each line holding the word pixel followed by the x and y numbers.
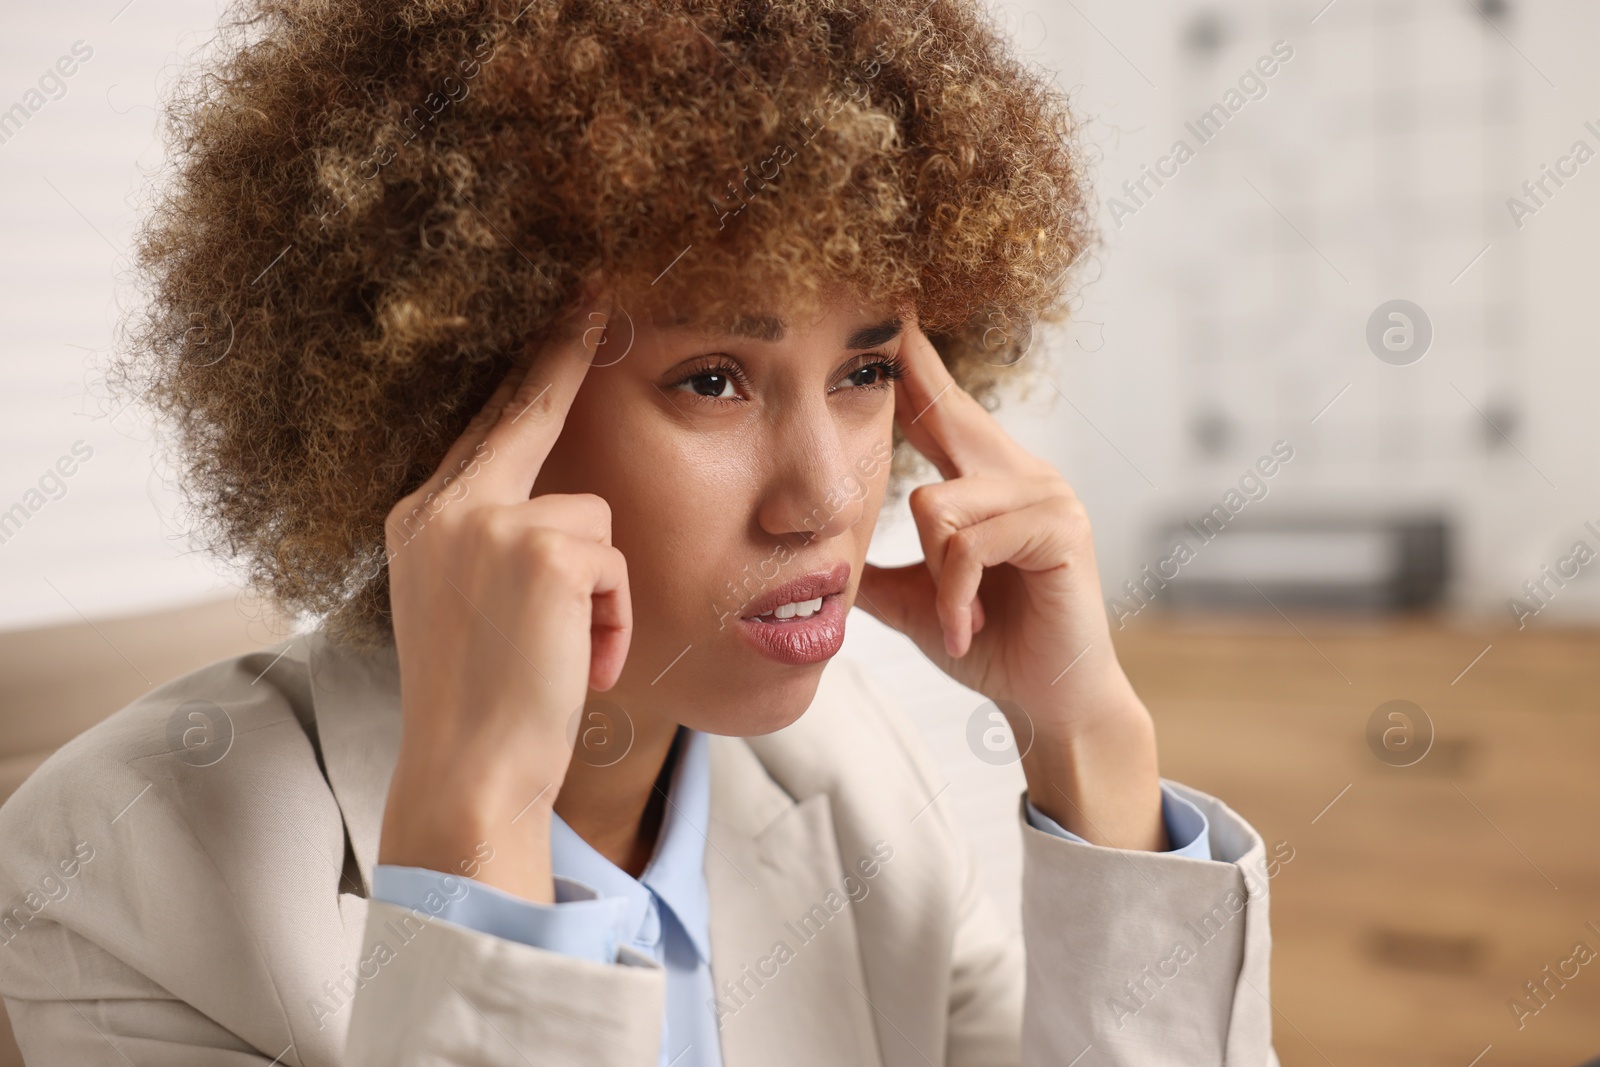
pixel 371 206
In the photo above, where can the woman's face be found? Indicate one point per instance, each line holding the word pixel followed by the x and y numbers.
pixel 745 464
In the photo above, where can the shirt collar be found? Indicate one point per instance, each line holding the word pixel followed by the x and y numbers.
pixel 676 871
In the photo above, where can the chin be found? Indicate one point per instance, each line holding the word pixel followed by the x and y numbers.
pixel 759 706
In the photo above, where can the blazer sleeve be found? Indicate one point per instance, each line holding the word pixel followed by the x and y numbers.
pixel 444 993
pixel 1150 959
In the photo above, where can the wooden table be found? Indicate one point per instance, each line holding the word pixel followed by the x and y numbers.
pixel 1420 898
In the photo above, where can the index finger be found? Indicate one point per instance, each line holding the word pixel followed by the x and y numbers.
pixel 530 422
pixel 942 420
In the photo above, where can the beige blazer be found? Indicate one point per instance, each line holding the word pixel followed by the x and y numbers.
pixel 164 906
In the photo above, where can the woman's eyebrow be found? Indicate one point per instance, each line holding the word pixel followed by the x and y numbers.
pixel 872 336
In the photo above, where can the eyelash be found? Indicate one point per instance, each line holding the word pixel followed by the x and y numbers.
pixel 890 370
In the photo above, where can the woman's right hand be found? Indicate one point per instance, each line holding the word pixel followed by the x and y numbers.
pixel 506 610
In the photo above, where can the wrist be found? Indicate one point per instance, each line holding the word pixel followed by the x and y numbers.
pixel 500 837
pixel 1101 779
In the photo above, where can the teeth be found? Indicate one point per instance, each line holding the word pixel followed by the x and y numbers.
pixel 796 609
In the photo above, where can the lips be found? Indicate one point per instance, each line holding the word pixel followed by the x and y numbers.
pixel 797 590
pixel 799 641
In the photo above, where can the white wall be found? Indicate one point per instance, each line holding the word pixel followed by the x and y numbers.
pixel 1376 166
pixel 68 182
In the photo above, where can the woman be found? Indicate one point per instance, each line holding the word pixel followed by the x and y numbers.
pixel 552 358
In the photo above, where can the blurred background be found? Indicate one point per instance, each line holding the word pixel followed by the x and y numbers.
pixel 1328 397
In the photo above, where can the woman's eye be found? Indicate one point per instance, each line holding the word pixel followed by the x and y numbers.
pixel 871 374
pixel 712 384
pixel 878 374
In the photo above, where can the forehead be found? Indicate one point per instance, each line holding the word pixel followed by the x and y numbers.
pixel 868 328
pixel 757 326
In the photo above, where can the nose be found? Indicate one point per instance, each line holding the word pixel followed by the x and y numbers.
pixel 814 489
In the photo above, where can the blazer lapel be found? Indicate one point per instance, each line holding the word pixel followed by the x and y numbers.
pixel 357 700
pixel 785 959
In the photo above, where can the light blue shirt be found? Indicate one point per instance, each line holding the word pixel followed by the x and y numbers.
pixel 666 912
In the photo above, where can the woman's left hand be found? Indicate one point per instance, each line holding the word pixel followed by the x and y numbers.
pixel 1007 602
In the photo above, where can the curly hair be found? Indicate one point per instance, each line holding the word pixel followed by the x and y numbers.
pixel 370 206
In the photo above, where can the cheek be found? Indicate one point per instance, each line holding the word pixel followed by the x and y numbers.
pixel 680 499
pixel 871 446
pixel 681 506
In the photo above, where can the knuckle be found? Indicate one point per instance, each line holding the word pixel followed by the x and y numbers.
pixel 534 399
pixel 402 506
pixel 1072 514
pixel 493 530
pixel 391 519
pixel 546 549
pixel 451 514
pixel 404 520
pixel 931 505
pixel 424 507
pixel 559 563
pixel 597 507
pixel 539 544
